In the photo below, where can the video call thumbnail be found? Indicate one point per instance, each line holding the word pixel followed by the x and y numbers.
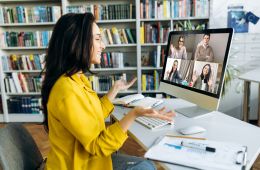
pixel 196 60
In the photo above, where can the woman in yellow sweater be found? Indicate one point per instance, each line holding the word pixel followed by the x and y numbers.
pixel 74 114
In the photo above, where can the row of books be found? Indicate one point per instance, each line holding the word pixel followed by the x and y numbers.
pixel 106 12
pixel 111 60
pixel 23 62
pixel 153 58
pixel 104 83
pixel 36 14
pixel 22 83
pixel 173 8
pixel 153 33
pixel 24 105
pixel 118 36
pixel 150 81
pixel 25 39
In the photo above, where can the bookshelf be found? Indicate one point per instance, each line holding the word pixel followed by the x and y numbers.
pixel 124 58
pixel 28 25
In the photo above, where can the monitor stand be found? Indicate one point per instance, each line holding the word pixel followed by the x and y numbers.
pixel 192 111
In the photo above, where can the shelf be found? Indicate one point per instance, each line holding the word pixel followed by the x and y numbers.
pixel 114 69
pixel 24 48
pixel 155 19
pixel 173 19
pixel 23 71
pixel 19 1
pixel 24 94
pixel 25 117
pixel 121 45
pixel 151 68
pixel 190 18
pixel 152 91
pixel 121 92
pixel 116 21
pixel 28 24
pixel 152 44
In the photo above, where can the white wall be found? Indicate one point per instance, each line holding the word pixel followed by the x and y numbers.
pixel 218 12
pixel 231 103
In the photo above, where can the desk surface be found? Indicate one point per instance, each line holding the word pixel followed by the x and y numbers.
pixel 220 127
pixel 251 76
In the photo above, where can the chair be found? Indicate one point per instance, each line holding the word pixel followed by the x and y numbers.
pixel 18 151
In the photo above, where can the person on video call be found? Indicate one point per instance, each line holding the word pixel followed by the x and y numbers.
pixel 204 80
pixel 204 51
pixel 173 74
pixel 179 52
pixel 74 113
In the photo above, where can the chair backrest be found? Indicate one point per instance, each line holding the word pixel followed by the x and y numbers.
pixel 18 151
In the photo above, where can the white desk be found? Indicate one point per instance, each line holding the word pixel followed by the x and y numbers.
pixel 251 76
pixel 220 127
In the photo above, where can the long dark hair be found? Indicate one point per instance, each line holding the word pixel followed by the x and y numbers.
pixel 69 52
pixel 206 78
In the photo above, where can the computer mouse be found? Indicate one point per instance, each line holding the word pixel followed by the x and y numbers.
pixel 192 130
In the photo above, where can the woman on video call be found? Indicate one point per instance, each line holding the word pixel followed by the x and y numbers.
pixel 179 52
pixel 74 114
pixel 173 74
pixel 204 80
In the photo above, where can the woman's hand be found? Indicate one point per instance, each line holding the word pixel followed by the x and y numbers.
pixel 161 114
pixel 129 118
pixel 118 86
pixel 123 85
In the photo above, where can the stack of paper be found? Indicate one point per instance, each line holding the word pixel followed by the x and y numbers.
pixel 226 156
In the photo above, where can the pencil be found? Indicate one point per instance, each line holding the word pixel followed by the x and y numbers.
pixel 186 137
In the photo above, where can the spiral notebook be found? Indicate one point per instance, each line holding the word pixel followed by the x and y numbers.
pixel 226 156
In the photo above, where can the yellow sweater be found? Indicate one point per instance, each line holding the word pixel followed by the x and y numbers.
pixel 77 133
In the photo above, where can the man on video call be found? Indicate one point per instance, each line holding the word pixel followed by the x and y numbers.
pixel 204 51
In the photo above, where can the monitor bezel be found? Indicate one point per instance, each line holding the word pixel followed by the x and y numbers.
pixel 206 31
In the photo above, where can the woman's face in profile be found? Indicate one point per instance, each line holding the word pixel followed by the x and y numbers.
pixel 205 70
pixel 98 45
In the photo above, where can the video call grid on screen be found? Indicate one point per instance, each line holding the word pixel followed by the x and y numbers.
pixel 196 60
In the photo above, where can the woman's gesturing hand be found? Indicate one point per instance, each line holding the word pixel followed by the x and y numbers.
pixel 123 85
pixel 161 113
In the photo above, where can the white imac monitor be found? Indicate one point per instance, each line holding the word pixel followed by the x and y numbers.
pixel 194 68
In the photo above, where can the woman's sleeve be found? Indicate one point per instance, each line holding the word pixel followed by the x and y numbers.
pixel 79 118
pixel 107 106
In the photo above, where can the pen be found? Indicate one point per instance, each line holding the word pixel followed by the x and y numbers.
pixel 185 137
pixel 197 146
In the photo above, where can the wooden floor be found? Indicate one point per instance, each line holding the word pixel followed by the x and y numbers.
pixel 130 147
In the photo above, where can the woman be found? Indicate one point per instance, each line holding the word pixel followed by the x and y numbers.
pixel 179 52
pixel 173 74
pixel 74 113
pixel 204 81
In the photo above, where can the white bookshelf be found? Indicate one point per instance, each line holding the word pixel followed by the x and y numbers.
pixel 134 59
pixel 7 116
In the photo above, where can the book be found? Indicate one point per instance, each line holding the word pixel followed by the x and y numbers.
pixel 134 100
pixel 199 154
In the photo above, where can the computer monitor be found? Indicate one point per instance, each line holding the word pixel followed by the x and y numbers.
pixel 194 68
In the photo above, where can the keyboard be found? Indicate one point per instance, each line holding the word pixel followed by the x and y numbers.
pixel 152 123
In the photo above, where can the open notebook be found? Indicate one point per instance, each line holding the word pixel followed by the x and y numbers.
pixel 226 156
pixel 138 100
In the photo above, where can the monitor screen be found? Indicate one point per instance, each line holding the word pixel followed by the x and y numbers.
pixel 196 61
